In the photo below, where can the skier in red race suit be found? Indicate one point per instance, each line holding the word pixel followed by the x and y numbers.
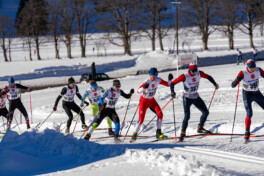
pixel 191 82
pixel 250 77
pixel 147 100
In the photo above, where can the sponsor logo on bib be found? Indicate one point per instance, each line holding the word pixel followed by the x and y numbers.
pixel 194 79
pixel 114 94
pixel 95 94
pixel 71 91
pixel 252 76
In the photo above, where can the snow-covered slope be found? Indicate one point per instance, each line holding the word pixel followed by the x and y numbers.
pixel 47 151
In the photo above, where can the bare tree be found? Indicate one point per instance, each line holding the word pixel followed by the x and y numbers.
pixel 148 20
pixel 84 10
pixel 4 22
pixel 201 13
pixel 251 17
pixel 54 23
pixel 163 29
pixel 67 23
pixel 228 13
pixel 119 20
pixel 33 21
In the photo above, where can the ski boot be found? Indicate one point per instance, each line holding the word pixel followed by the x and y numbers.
pixel 182 136
pixel 110 132
pixel 117 141
pixel 160 136
pixel 134 137
pixel 87 137
pixel 84 126
pixel 200 129
pixel 28 125
pixel 247 135
pixel 67 131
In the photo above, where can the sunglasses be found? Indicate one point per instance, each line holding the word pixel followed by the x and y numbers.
pixel 155 75
pixel 117 86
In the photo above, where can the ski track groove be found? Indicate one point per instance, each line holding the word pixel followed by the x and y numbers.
pixel 222 154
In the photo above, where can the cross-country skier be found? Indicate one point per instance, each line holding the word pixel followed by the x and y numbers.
pixel 108 100
pixel 93 94
pixel 250 77
pixel 191 82
pixel 68 103
pixel 239 57
pixel 14 100
pixel 3 110
pixel 147 100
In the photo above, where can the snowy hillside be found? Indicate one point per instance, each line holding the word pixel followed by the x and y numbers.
pixel 48 151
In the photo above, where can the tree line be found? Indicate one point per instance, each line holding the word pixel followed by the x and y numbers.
pixel 123 20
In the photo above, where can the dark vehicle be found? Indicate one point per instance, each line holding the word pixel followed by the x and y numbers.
pixel 98 77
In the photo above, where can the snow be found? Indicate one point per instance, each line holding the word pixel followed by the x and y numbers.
pixel 46 151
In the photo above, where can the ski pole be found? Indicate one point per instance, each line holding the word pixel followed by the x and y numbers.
pixel 38 126
pixel 92 122
pixel 174 116
pixel 3 122
pixel 17 125
pixel 30 107
pixel 125 116
pixel 135 113
pixel 155 116
pixel 211 100
pixel 78 118
pixel 66 121
pixel 132 119
pixel 235 112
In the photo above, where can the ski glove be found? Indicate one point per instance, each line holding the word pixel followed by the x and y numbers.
pixel 173 94
pixel 81 105
pixel 54 108
pixel 170 77
pixel 234 84
pixel 132 91
pixel 216 86
pixel 146 85
pixel 29 89
pixel 87 103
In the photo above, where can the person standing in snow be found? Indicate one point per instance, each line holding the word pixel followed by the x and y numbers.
pixel 148 90
pixel 255 53
pixel 250 77
pixel 191 82
pixel 239 57
pixel 3 110
pixel 93 94
pixel 68 103
pixel 12 91
pixel 108 100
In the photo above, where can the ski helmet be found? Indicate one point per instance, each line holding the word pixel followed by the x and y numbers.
pixel 93 84
pixel 193 67
pixel 153 72
pixel 71 80
pixel 11 80
pixel 116 82
pixel 251 63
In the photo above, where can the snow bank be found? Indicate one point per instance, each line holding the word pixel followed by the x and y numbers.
pixel 158 59
pixel 38 153
pixel 171 164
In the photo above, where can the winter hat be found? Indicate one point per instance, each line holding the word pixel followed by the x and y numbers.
pixel 11 80
pixel 71 80
pixel 153 72
pixel 93 84
pixel 116 82
pixel 193 67
pixel 251 63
